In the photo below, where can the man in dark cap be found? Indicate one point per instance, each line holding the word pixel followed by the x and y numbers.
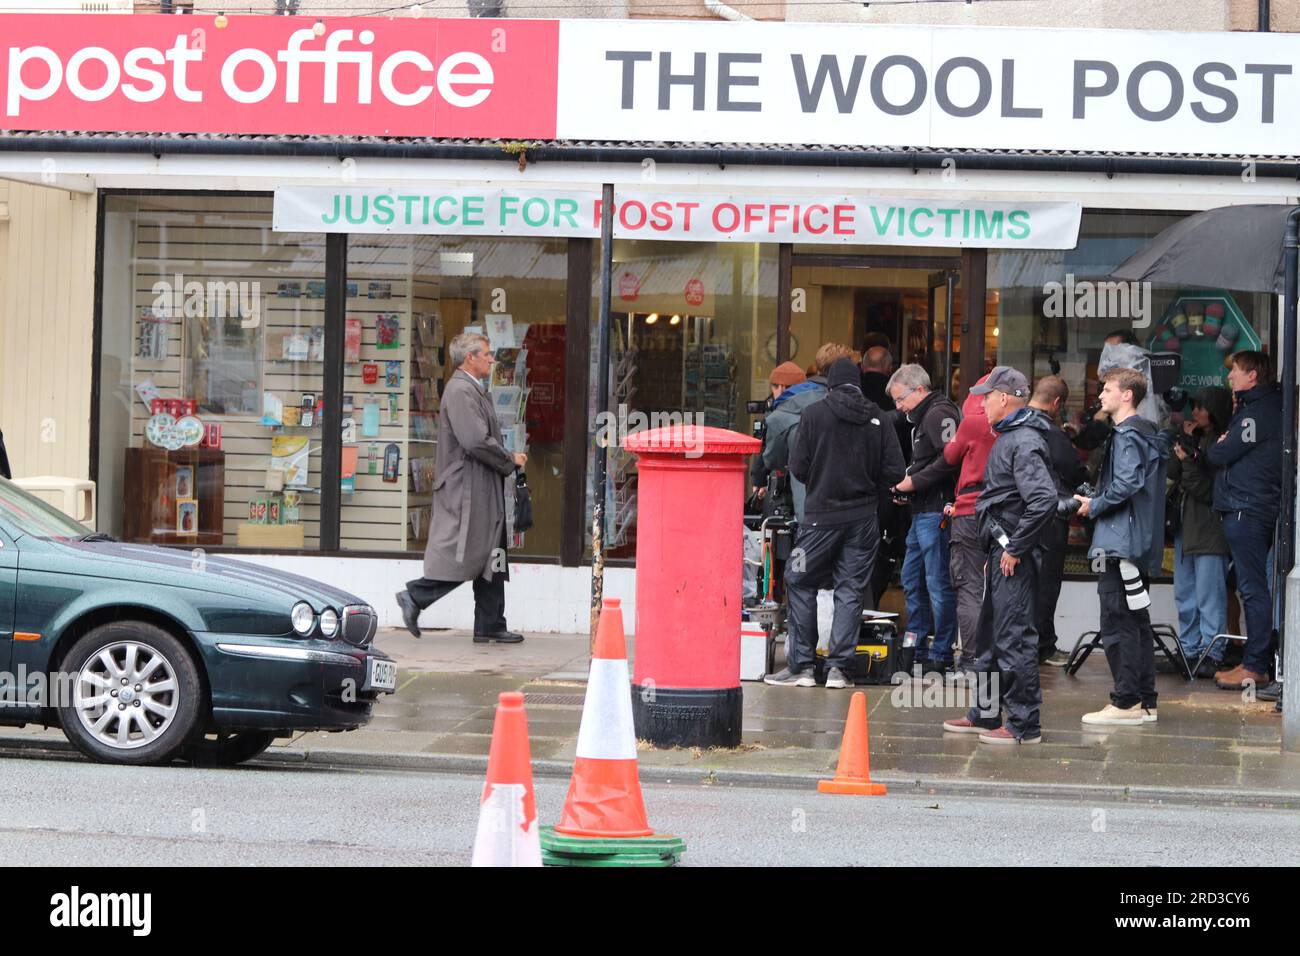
pixel 845 455
pixel 1014 509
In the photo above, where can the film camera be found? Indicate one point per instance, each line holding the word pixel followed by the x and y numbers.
pixel 1069 507
pixel 759 408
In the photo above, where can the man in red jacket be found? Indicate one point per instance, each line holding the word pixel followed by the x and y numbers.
pixel 969 449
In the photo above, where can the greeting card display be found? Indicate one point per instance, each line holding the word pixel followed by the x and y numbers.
pixel 187 516
pixel 352 340
pixel 388 331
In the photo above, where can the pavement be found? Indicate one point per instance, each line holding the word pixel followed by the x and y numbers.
pixel 1208 747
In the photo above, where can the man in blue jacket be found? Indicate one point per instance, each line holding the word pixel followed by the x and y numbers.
pixel 1127 542
pixel 1249 458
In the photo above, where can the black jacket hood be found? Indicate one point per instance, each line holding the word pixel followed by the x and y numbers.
pixel 849 405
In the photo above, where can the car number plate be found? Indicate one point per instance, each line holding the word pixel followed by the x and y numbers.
pixel 380 675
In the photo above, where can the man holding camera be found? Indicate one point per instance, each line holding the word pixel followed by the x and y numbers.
pixel 1128 540
pixel 928 486
pixel 1017 504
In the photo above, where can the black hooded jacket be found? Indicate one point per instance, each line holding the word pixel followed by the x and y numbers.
pixel 1019 483
pixel 847 455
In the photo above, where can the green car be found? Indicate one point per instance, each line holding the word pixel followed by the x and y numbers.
pixel 143 654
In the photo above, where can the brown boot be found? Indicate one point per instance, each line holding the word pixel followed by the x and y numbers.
pixel 1236 678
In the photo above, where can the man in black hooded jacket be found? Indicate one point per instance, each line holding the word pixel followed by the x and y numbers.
pixel 846 455
pixel 1012 512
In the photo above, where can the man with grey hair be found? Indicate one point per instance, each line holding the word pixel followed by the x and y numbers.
pixel 926 488
pixel 467 529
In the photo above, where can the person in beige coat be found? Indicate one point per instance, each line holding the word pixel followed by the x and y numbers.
pixel 467 530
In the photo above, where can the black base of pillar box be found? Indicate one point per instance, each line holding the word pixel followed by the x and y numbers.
pixel 674 717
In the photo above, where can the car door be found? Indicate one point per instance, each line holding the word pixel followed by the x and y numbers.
pixel 8 598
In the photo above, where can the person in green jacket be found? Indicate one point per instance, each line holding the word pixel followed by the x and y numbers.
pixel 1200 546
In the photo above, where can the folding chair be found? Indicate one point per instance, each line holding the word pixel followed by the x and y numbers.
pixel 1217 637
pixel 1166 639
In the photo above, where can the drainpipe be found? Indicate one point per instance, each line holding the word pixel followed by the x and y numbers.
pixel 719 9
pixel 1288 588
pixel 1263 16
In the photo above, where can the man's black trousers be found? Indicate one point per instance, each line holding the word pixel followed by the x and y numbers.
pixel 489 599
pixel 839 557
pixel 1128 640
pixel 1054 540
pixel 1006 644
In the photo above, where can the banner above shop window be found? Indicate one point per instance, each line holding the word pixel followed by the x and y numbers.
pixel 643 80
pixel 510 211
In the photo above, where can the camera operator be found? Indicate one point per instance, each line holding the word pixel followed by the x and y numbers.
pixel 1129 537
pixel 781 422
pixel 784 379
pixel 1017 504
pixel 1200 546
pixel 1050 395
pixel 845 456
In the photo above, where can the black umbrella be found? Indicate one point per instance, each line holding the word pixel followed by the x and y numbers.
pixel 1233 247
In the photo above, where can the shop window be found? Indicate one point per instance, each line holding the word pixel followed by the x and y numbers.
pixel 1051 311
pixel 211 376
pixel 407 298
pixel 693 340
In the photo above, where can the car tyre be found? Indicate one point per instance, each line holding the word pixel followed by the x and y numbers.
pixel 134 673
pixel 228 749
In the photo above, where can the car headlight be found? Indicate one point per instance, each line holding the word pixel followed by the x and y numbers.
pixel 303 618
pixel 329 622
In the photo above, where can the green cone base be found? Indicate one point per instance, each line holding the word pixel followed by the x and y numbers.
pixel 657 850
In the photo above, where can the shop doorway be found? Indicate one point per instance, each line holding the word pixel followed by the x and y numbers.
pixel 905 302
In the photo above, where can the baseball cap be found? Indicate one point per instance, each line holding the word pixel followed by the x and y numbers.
pixel 1004 379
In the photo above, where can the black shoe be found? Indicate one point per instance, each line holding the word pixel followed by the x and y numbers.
pixel 410 613
pixel 1270 691
pixel 1165 666
pixel 1209 667
pixel 500 637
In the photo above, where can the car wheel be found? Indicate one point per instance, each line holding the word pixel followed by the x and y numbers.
pixel 228 749
pixel 136 694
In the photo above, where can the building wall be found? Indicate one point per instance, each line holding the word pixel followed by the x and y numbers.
pixel 47 281
pixel 1186 15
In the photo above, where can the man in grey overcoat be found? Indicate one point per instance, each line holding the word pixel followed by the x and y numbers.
pixel 467 529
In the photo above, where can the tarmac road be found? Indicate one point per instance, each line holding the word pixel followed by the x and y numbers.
pixel 72 813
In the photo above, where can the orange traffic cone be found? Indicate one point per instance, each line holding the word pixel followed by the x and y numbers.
pixel 507 821
pixel 605 793
pixel 853 774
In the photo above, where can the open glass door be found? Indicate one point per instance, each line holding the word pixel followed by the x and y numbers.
pixel 945 343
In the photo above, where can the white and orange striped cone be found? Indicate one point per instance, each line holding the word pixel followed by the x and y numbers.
pixel 507 820
pixel 604 819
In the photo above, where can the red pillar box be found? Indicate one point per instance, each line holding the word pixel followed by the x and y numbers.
pixel 689 554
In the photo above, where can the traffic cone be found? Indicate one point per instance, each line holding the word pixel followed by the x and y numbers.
pixel 605 793
pixel 853 773
pixel 507 821
pixel 604 819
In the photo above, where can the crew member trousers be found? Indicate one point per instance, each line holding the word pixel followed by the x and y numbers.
pixel 1128 640
pixel 839 557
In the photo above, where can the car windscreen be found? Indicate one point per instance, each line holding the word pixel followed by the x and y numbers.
pixel 26 514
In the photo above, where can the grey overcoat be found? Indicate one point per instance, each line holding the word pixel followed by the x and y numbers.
pixel 468 519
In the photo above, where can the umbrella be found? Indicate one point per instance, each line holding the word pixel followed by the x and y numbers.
pixel 1233 247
